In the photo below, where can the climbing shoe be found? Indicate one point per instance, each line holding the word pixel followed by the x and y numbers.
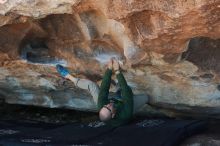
pixel 62 70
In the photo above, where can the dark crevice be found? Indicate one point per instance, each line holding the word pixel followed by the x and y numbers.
pixel 205 53
pixel 218 87
pixel 36 51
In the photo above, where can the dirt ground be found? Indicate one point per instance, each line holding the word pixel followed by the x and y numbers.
pixel 210 137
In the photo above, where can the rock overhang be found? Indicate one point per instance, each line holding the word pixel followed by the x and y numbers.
pixel 148 37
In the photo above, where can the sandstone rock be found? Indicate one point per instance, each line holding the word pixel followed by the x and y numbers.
pixel 147 37
pixel 37 8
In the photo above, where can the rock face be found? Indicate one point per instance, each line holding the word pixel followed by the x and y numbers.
pixel 168 50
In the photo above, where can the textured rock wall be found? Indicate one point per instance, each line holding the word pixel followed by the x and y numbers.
pixel 147 37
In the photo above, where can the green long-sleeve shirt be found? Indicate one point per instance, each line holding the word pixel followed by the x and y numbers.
pixel 124 109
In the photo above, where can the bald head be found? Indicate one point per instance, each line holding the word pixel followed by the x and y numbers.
pixel 105 114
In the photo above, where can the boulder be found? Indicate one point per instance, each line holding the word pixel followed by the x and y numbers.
pixel 168 50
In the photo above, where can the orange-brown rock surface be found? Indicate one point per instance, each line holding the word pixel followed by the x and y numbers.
pixel 169 49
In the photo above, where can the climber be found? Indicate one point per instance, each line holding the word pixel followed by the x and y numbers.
pixel 115 111
pixel 118 110
pixel 92 87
